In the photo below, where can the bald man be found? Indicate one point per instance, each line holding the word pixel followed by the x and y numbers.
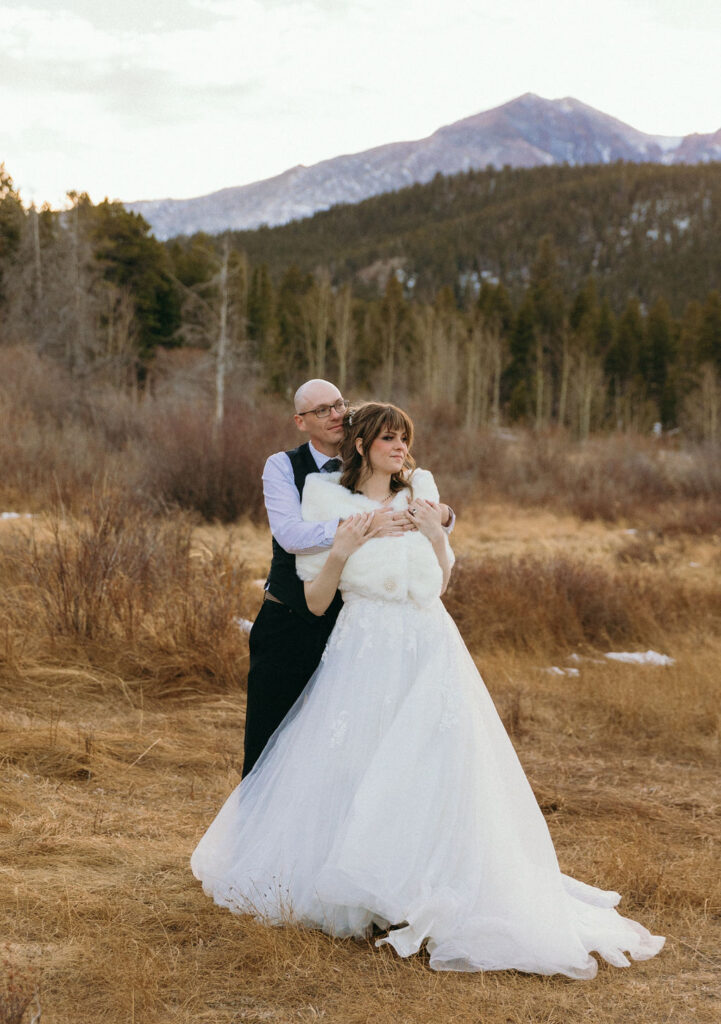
pixel 287 640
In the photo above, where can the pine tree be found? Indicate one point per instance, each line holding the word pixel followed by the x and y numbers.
pixel 392 325
pixel 710 333
pixel 548 322
pixel 517 377
pixel 657 356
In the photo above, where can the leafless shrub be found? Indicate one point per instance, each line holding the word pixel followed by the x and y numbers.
pixel 699 518
pixel 603 478
pixel 217 473
pixel 130 590
pixel 529 604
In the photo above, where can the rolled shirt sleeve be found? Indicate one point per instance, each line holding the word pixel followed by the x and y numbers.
pixel 282 503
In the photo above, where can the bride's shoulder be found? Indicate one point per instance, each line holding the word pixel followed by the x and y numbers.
pixel 423 484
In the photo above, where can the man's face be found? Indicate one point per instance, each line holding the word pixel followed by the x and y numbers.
pixel 325 433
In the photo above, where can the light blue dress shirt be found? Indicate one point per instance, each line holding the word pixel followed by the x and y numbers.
pixel 282 502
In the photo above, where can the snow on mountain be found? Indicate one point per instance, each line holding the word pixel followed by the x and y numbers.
pixel 526 132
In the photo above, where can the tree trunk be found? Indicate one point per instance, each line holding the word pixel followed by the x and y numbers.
pixel 343 332
pixel 221 357
pixel 472 376
pixel 36 254
pixel 539 381
pixel 497 370
pixel 565 374
pixel 711 403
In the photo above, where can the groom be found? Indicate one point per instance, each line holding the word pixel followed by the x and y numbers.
pixel 287 640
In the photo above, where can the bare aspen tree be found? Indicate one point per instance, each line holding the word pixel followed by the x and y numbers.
pixel 391 314
pixel 565 374
pixel 241 292
pixel 479 373
pixel 474 341
pixel 215 318
pixel 37 260
pixel 423 320
pixel 76 337
pixel 343 331
pixel 540 379
pixel 221 352
pixel 496 351
pixel 584 378
pixel 120 334
pixel 316 306
pixel 448 352
pixel 710 403
pixel 484 368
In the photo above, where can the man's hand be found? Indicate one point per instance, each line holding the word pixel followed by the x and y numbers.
pixel 351 534
pixel 388 522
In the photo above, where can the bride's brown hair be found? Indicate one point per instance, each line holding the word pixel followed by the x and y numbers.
pixel 366 422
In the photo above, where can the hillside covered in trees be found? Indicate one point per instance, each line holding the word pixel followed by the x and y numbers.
pixel 640 230
pixel 582 297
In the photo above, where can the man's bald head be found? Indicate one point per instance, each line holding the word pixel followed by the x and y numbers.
pixel 325 432
pixel 315 392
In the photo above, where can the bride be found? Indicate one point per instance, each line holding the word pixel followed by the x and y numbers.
pixel 391 796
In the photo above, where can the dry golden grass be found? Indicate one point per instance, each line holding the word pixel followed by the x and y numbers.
pixel 118 744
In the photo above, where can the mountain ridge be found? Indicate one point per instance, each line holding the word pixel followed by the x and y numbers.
pixel 528 131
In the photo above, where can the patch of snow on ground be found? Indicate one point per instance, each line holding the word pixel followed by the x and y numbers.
pixel 245 625
pixel 641 658
pixel 16 515
pixel 578 658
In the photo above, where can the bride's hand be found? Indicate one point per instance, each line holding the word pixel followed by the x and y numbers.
pixel 352 533
pixel 428 516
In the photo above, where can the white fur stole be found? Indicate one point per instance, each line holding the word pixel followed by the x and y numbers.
pixel 391 568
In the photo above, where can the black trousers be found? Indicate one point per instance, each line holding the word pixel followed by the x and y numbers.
pixel 285 650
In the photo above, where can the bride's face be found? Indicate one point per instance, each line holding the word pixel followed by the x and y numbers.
pixel 388 452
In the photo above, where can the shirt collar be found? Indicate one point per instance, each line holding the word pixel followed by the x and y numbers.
pixel 319 458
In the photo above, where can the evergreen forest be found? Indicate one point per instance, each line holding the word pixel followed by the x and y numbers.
pixel 585 297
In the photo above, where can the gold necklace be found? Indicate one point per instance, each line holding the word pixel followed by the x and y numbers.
pixel 381 501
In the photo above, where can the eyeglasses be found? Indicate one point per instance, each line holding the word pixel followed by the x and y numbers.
pixel 323 411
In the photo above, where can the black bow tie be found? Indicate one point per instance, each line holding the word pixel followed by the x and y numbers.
pixel 330 466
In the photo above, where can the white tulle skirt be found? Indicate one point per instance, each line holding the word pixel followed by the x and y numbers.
pixel 391 795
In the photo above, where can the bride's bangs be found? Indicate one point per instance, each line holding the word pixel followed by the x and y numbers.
pixel 396 419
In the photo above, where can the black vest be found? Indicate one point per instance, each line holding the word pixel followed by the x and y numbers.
pixel 283 581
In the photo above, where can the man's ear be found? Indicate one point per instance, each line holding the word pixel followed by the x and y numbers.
pixel 299 421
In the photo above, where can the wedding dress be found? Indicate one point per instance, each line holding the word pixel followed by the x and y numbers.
pixel 392 796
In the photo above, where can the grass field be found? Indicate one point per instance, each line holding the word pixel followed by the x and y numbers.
pixel 121 682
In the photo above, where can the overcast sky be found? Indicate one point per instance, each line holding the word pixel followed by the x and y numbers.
pixel 143 99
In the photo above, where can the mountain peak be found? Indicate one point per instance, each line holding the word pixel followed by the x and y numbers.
pixel 524 132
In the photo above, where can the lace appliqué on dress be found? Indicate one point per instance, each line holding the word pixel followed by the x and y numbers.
pixel 450 708
pixel 339 729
